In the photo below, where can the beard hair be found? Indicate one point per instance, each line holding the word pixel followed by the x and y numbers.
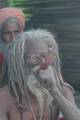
pixel 42 95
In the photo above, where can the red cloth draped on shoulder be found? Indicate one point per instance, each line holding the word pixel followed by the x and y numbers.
pixel 61 118
pixel 1 58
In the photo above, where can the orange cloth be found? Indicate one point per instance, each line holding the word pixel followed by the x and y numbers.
pixel 12 12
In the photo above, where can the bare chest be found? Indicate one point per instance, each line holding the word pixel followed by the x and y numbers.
pixel 31 113
pixel 36 115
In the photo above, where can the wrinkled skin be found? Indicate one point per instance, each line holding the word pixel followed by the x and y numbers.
pixel 10 31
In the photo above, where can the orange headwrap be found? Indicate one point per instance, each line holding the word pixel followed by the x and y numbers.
pixel 12 12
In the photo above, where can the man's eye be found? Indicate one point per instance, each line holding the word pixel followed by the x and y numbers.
pixel 16 32
pixel 44 55
pixel 6 33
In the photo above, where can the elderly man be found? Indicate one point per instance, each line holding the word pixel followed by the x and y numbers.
pixel 35 90
pixel 12 23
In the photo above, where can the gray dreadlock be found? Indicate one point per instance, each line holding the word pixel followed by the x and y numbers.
pixel 17 67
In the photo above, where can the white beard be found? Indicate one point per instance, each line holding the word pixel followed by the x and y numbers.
pixel 40 93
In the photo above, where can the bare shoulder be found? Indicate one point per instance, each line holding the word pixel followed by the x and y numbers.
pixel 5 102
pixel 4 92
pixel 5 98
pixel 69 93
pixel 68 89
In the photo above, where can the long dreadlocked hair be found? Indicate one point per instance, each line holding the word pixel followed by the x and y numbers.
pixel 17 76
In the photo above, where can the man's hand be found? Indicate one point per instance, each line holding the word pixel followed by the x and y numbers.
pixel 47 78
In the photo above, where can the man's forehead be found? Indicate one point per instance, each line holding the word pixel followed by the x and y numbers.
pixel 11 27
pixel 38 47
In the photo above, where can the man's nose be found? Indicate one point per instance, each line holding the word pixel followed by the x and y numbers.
pixel 13 36
pixel 42 60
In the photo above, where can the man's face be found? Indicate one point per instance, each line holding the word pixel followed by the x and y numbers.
pixel 39 56
pixel 10 32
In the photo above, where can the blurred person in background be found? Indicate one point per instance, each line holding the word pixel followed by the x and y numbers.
pixel 12 23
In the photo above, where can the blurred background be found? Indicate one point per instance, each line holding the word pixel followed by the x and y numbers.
pixel 61 17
